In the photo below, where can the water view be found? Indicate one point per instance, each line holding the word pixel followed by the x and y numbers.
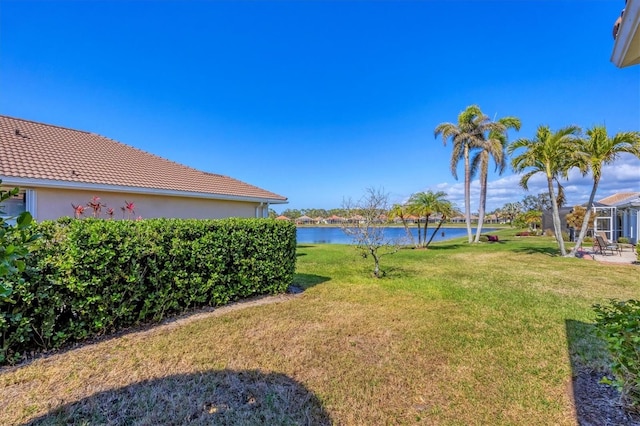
pixel 335 235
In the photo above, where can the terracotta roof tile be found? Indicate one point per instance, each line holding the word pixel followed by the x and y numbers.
pixel 614 199
pixel 41 151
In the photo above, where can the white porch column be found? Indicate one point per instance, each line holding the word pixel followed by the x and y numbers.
pixel 634 231
pixel 31 202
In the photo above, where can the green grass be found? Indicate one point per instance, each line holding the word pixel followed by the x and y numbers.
pixel 457 334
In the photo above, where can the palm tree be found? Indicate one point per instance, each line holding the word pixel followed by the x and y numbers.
pixel 399 211
pixel 492 147
pixel 596 150
pixel 426 204
pixel 533 218
pixel 467 134
pixel 420 205
pixel 550 153
pixel 445 209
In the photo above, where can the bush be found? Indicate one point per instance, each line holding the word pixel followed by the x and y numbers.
pixel 484 238
pixel 619 325
pixel 90 277
pixel 15 241
pixel 623 240
pixel 522 234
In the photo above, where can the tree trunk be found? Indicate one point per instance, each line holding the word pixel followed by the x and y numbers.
pixel 408 231
pixel 483 199
pixel 436 230
pixel 424 234
pixel 376 261
pixel 587 216
pixel 467 193
pixel 557 227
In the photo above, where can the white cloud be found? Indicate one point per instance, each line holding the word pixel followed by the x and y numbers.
pixel 621 176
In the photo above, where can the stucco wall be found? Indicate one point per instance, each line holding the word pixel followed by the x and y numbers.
pixel 55 203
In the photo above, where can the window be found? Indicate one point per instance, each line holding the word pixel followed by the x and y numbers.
pixel 14 205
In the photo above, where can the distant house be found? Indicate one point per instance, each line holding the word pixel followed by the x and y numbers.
pixel 626 33
pixel 304 220
pixel 57 167
pixel 333 219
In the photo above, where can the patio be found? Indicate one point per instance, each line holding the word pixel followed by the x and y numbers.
pixel 627 256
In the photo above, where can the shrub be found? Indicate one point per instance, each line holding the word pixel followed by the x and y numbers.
pixel 522 234
pixel 15 241
pixel 623 240
pixel 619 325
pixel 90 277
pixel 565 236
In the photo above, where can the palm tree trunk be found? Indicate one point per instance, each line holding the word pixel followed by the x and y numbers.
pixel 483 199
pixel 408 231
pixel 424 234
pixel 435 231
pixel 556 217
pixel 467 192
pixel 587 216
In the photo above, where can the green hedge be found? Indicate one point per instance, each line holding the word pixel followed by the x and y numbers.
pixel 619 324
pixel 91 277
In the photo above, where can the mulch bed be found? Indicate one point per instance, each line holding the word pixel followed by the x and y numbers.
pixel 598 404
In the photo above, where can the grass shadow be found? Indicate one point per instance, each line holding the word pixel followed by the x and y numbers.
pixel 211 397
pixel 440 246
pixel 550 251
pixel 306 281
pixel 595 403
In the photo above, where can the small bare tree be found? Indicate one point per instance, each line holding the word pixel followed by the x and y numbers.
pixel 366 224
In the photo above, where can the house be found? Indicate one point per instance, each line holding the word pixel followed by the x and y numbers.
pixel 626 48
pixel 619 216
pixel 333 219
pixel 547 220
pixel 57 168
pixel 304 220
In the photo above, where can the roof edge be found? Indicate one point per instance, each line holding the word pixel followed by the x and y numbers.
pixel 44 124
pixel 627 34
pixel 57 184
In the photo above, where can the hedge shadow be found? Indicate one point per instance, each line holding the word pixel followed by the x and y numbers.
pixel 224 397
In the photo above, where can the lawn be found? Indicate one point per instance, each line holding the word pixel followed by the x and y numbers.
pixel 458 334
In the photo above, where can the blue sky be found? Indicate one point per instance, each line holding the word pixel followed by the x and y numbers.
pixel 319 100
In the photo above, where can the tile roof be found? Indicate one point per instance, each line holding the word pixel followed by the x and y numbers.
pixel 618 198
pixel 33 150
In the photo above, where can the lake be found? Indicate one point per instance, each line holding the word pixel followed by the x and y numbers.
pixel 335 235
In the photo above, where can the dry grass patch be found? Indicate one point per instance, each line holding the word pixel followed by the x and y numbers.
pixel 469 335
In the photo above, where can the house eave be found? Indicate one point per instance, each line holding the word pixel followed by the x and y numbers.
pixel 626 49
pixel 58 184
pixel 632 205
